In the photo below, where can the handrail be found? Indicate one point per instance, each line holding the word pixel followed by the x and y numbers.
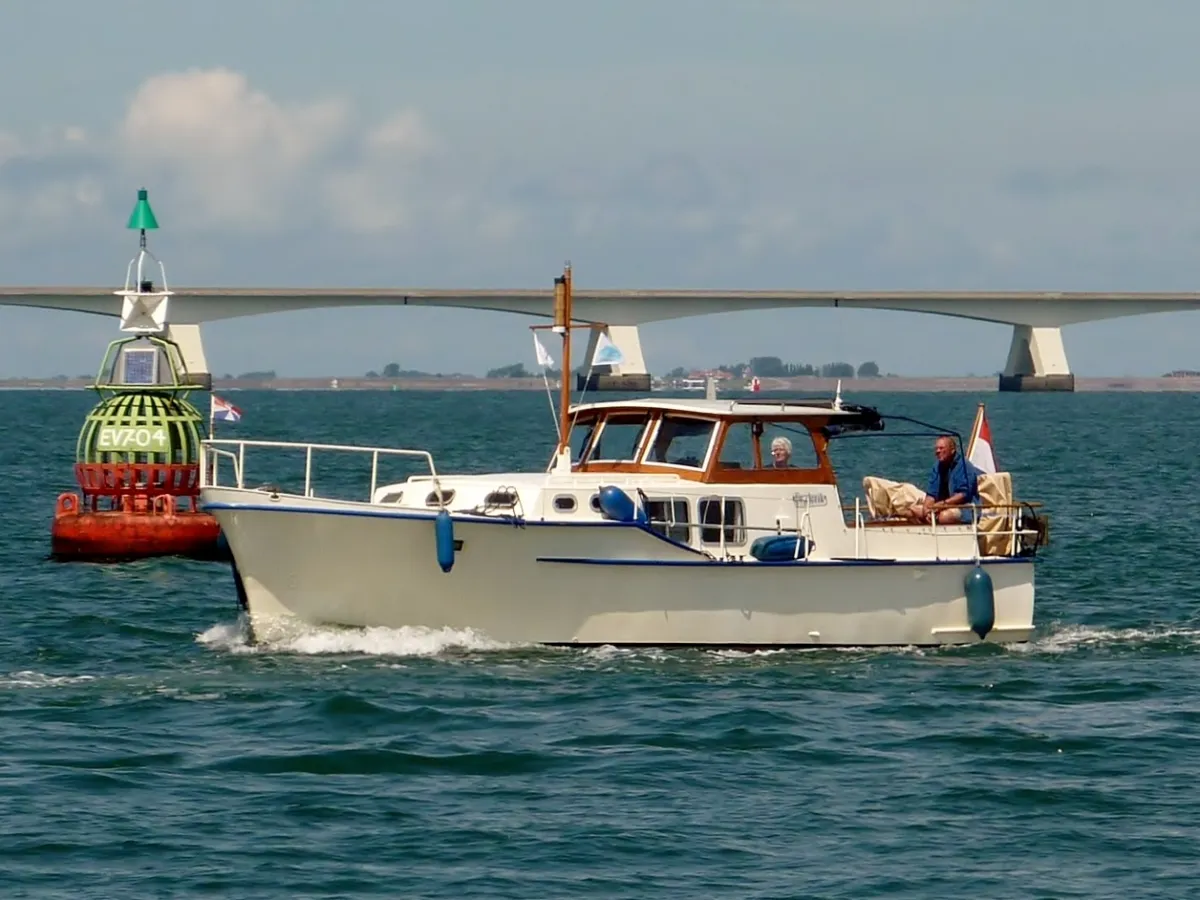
pixel 860 531
pixel 1016 504
pixel 216 449
pixel 217 453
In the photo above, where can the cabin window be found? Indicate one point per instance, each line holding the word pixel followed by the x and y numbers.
pixel 619 438
pixel 737 450
pixel 566 503
pixel 391 497
pixel 680 441
pixel 580 436
pixel 803 453
pixel 432 499
pixel 594 503
pixel 669 517
pixel 722 513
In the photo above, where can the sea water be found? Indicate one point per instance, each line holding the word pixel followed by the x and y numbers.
pixel 147 750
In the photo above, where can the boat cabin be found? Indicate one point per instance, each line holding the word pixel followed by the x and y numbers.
pixel 714 441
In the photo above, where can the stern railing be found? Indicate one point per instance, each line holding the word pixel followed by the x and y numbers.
pixel 234 452
pixel 1014 529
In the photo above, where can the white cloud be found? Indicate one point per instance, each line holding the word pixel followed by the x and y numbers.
pixel 875 13
pixel 224 156
pixel 376 189
pixel 238 155
pixel 10 147
pixel 404 135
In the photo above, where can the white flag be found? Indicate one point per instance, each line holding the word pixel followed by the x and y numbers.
pixel 607 353
pixel 543 358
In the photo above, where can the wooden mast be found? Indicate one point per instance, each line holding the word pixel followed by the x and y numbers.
pixel 562 324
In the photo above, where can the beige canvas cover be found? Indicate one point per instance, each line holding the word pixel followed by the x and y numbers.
pixel 995 490
pixel 888 499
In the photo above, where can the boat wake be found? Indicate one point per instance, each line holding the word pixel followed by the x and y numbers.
pixel 415 641
pixel 1064 638
pixel 312 640
pixel 30 679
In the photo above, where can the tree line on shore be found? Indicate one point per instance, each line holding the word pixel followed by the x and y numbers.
pixel 761 366
pixel 774 367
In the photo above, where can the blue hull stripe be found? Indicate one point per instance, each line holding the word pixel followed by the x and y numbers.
pixel 774 564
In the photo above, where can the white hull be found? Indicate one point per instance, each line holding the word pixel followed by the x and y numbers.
pixel 356 564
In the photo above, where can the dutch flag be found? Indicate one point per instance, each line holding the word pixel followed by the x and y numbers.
pixel 979 451
pixel 223 411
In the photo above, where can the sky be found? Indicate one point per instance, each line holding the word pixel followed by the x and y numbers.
pixel 848 144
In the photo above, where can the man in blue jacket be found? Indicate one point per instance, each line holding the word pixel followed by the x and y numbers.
pixel 953 486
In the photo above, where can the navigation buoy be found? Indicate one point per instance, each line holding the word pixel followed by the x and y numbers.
pixel 443 529
pixel 137 460
pixel 981 602
pixel 137 466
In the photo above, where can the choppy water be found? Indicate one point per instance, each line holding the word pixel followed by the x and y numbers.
pixel 147 751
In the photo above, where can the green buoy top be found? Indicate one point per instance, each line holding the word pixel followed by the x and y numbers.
pixel 143 216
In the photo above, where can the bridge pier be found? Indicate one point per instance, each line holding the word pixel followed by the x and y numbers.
pixel 1037 361
pixel 631 375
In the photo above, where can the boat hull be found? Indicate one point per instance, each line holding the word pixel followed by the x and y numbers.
pixel 589 584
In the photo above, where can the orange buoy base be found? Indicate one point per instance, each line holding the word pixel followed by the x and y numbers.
pixel 110 535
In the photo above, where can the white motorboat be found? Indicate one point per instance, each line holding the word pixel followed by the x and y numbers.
pixel 657 522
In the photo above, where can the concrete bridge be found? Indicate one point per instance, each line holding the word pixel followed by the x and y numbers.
pixel 1036 360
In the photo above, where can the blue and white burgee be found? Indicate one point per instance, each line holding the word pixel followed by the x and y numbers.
pixel 607 353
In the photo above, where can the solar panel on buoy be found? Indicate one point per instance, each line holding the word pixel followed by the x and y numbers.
pixel 139 366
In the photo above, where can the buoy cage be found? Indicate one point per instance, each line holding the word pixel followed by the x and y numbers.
pixel 134 511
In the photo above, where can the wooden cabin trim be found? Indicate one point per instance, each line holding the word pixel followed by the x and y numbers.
pixel 813 419
pixel 712 472
pixel 770 476
pixel 686 473
pixel 822 473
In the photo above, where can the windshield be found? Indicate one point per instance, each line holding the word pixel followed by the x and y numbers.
pixel 784 445
pixel 619 438
pixel 681 441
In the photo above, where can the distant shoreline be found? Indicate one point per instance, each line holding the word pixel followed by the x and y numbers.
pixel 806 385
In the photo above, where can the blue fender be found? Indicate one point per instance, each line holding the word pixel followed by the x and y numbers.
pixel 618 506
pixel 443 529
pixel 981 601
